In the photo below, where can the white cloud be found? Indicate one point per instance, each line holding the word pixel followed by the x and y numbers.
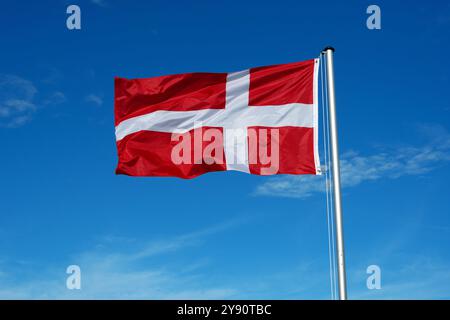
pixel 415 277
pixel 55 98
pixel 18 121
pixel 54 76
pixel 101 3
pixel 357 168
pixel 131 273
pixel 95 99
pixel 16 100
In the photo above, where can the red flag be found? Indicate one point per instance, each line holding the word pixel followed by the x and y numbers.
pixel 261 121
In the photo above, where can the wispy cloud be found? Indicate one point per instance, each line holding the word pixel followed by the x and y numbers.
pixel 16 100
pixel 19 100
pixel 356 168
pixel 55 98
pixel 53 76
pixel 415 277
pixel 132 273
pixel 148 271
pixel 94 99
pixel 101 3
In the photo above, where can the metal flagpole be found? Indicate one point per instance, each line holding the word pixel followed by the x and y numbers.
pixel 328 51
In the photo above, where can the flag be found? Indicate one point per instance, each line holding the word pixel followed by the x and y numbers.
pixel 262 121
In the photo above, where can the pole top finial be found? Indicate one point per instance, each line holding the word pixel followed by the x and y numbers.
pixel 328 48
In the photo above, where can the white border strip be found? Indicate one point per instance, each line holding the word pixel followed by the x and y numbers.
pixel 316 116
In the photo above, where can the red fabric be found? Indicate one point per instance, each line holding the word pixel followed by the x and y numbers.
pixel 149 153
pixel 296 150
pixel 180 92
pixel 282 84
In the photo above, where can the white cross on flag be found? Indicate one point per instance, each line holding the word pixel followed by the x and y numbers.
pixel 261 120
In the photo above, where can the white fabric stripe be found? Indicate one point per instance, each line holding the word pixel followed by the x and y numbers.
pixel 316 116
pixel 293 114
pixel 236 107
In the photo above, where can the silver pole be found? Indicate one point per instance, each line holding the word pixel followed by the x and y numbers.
pixel 336 175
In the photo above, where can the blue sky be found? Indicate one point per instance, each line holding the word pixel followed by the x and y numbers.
pixel 226 234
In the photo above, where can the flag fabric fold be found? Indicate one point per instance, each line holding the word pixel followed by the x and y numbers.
pixel 261 121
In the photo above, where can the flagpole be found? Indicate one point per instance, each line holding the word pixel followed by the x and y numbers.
pixel 328 51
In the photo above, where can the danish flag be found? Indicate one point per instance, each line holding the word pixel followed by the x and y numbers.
pixel 261 121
